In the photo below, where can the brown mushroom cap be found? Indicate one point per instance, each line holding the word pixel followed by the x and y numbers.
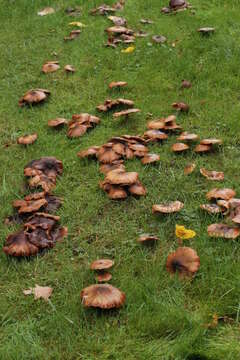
pixel 150 158
pixel 203 148
pixel 212 175
pixel 184 260
pixel 103 277
pixel 18 245
pixel 125 113
pixel 117 20
pixel 206 30
pixel 224 194
pixel 167 208
pixel 109 104
pixel 50 66
pixel 211 142
pixel 33 97
pixel 120 177
pixel 156 124
pixel 58 122
pixel 177 3
pixel 29 206
pixel 69 68
pixel 101 264
pixel 159 39
pixel 76 129
pixel 211 208
pixel 186 84
pixel 90 152
pixel 223 230
pixel 147 239
pixel 186 136
pixel 137 189
pixel 119 30
pixel 179 147
pixel 117 84
pixel 116 192
pixel 181 106
pixel 118 164
pixel 27 139
pixel 155 135
pixel 102 296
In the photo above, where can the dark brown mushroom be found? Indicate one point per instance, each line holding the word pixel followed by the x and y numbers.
pixel 18 245
pixel 185 261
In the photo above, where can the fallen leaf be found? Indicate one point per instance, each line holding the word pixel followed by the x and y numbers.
pixel 39 292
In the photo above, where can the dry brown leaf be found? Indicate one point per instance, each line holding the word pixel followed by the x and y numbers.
pixel 189 169
pixel 39 292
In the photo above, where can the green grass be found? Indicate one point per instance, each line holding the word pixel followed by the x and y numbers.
pixel 163 318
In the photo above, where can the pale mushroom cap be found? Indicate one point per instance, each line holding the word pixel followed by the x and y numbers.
pixel 147 238
pixel 212 141
pixel 50 67
pixel 224 194
pixel 212 175
pixel 102 296
pixel 186 136
pixel 125 112
pixel 27 139
pixel 167 208
pixel 223 230
pixel 101 264
pixel 57 122
pixel 120 177
pixel 150 158
pixel 179 147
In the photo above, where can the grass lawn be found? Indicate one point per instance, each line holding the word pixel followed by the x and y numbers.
pixel 164 318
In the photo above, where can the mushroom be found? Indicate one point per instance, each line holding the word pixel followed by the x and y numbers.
pixel 119 30
pixel 223 230
pixel 184 260
pixel 156 124
pixel 181 106
pixel 69 68
pixel 224 194
pixel 120 177
pixel 33 97
pixel 206 30
pixel 118 164
pixel 212 175
pixel 18 245
pixel 201 149
pixel 125 113
pixel 211 208
pixel 50 66
pixel 179 147
pixel 117 84
pixel 117 20
pixel 147 239
pixel 159 39
pixel 186 136
pixel 103 10
pixel 100 266
pixel 90 152
pixel 102 296
pixel 109 104
pixel 177 4
pixel 27 139
pixel 57 123
pixel 80 123
pixel 186 84
pixel 150 159
pixel 167 208
pixel 211 141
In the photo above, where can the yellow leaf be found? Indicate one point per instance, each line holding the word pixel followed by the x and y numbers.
pixel 183 233
pixel 77 23
pixel 128 50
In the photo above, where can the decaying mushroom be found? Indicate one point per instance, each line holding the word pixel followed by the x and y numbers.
pixel 50 66
pixel 103 296
pixel 43 172
pixel 117 84
pixel 212 175
pixel 223 194
pixel 33 97
pixel 223 231
pixel 147 239
pixel 80 123
pixel 101 266
pixel 27 139
pixel 42 231
pixel 110 104
pixel 185 261
pixel 167 208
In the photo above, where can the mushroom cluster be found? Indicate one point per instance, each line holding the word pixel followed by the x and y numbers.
pixel 41 230
pixel 224 203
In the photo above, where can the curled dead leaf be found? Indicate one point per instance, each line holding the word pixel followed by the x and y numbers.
pixel 39 292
